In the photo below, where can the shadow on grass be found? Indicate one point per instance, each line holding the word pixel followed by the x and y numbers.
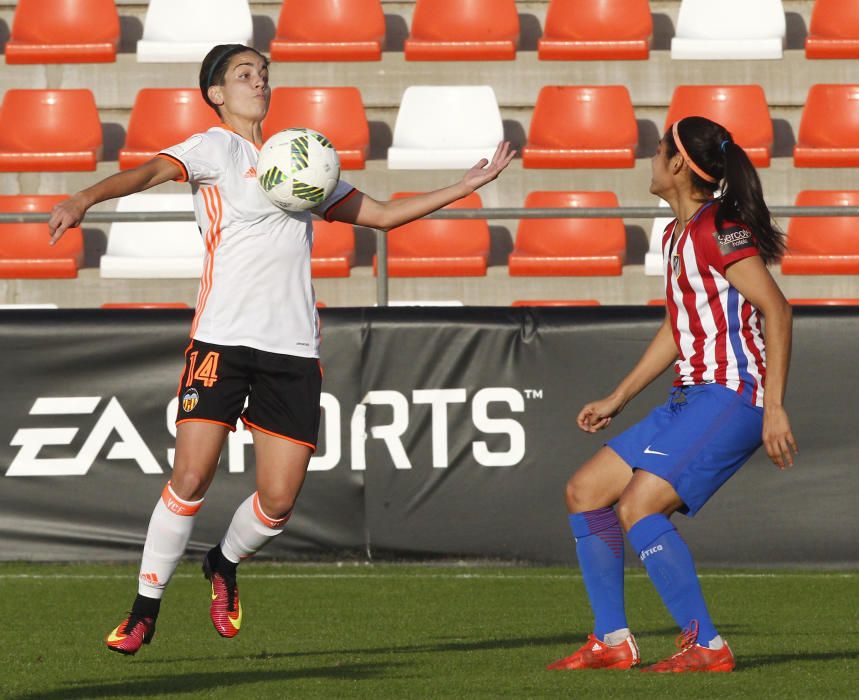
pixel 182 683
pixel 745 663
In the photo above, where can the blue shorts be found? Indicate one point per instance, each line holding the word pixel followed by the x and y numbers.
pixel 695 441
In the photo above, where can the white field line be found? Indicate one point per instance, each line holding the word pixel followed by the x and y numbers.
pixel 448 577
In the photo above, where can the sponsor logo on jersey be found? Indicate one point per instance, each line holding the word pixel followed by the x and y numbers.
pixel 189 400
pixel 733 239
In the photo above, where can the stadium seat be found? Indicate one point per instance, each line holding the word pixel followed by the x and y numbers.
pixel 729 30
pixel 183 31
pixel 741 109
pixel 823 245
pixel 337 112
pixel 333 249
pixel 823 302
pixel 153 250
pixel 834 30
pixel 63 31
pixel 463 30
pixel 49 130
pixel 163 117
pixel 440 127
pixel 555 302
pixel 582 127
pixel 829 128
pixel 439 247
pixel 604 30
pixel 653 257
pixel 329 30
pixel 568 246
pixel 25 249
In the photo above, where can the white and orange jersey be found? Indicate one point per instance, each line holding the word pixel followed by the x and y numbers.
pixel 255 289
pixel 716 329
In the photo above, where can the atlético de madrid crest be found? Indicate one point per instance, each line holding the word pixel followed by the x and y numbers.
pixel 189 400
pixel 675 264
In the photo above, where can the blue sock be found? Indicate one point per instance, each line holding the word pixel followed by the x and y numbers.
pixel 672 571
pixel 599 548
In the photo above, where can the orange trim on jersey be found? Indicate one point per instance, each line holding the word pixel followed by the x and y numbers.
pixel 182 376
pixel 206 420
pixel 178 162
pixel 266 520
pixel 340 201
pixel 214 210
pixel 278 435
pixel 176 505
pixel 229 128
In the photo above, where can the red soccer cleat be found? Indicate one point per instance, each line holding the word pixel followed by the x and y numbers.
pixel 131 634
pixel 693 657
pixel 226 609
pixel 598 654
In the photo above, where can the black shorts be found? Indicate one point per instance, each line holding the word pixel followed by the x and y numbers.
pixel 282 391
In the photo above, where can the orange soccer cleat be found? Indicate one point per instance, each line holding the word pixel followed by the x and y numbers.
pixel 131 634
pixel 598 654
pixel 693 657
pixel 226 609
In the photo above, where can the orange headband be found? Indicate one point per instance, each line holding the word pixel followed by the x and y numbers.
pixel 695 169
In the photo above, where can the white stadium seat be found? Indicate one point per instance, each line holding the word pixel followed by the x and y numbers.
pixel 729 29
pixel 172 249
pixel 653 257
pixel 441 127
pixel 185 30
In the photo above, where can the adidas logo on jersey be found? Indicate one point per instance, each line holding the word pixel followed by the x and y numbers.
pixel 252 172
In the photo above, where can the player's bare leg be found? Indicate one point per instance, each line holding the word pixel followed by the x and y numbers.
pixel 198 446
pixel 280 468
pixel 591 492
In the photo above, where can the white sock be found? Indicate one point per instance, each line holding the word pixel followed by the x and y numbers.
pixel 168 534
pixel 616 637
pixel 250 530
pixel 716 642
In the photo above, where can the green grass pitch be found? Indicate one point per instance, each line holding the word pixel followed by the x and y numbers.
pixel 412 631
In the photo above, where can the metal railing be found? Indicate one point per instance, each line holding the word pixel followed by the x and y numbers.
pixel 491 213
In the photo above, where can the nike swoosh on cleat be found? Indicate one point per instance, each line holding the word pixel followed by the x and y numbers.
pixel 237 620
pixel 648 451
pixel 115 637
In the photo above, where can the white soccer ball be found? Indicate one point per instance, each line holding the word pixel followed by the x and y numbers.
pixel 298 169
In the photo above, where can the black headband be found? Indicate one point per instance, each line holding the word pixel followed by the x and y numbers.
pixel 217 62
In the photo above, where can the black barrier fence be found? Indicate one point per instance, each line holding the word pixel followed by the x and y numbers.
pixel 446 432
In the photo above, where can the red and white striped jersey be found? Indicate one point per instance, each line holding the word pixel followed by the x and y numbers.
pixel 717 331
pixel 255 289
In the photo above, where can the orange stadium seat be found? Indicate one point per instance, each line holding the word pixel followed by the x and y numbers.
pixel 568 246
pixel 49 130
pixel 24 249
pixel 823 302
pixel 463 30
pixel 834 30
pixel 333 249
pixel 827 245
pixel 337 112
pixel 555 302
pixel 439 247
pixel 163 117
pixel 64 31
pixel 829 128
pixel 582 127
pixel 605 30
pixel 741 109
pixel 329 30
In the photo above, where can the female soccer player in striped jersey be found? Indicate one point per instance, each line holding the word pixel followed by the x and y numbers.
pixel 255 334
pixel 717 414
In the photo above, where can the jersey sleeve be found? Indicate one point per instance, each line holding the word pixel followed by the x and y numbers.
pixel 728 244
pixel 201 158
pixel 341 193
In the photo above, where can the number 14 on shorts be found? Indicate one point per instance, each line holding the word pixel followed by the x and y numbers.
pixel 207 372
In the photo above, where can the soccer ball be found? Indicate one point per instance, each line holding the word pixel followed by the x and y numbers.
pixel 298 169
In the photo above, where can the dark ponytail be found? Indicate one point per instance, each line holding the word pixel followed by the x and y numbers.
pixel 712 149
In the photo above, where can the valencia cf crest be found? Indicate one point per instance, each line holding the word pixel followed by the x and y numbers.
pixel 675 264
pixel 189 400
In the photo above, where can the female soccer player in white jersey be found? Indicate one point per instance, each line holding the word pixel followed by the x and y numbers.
pixel 717 414
pixel 255 333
